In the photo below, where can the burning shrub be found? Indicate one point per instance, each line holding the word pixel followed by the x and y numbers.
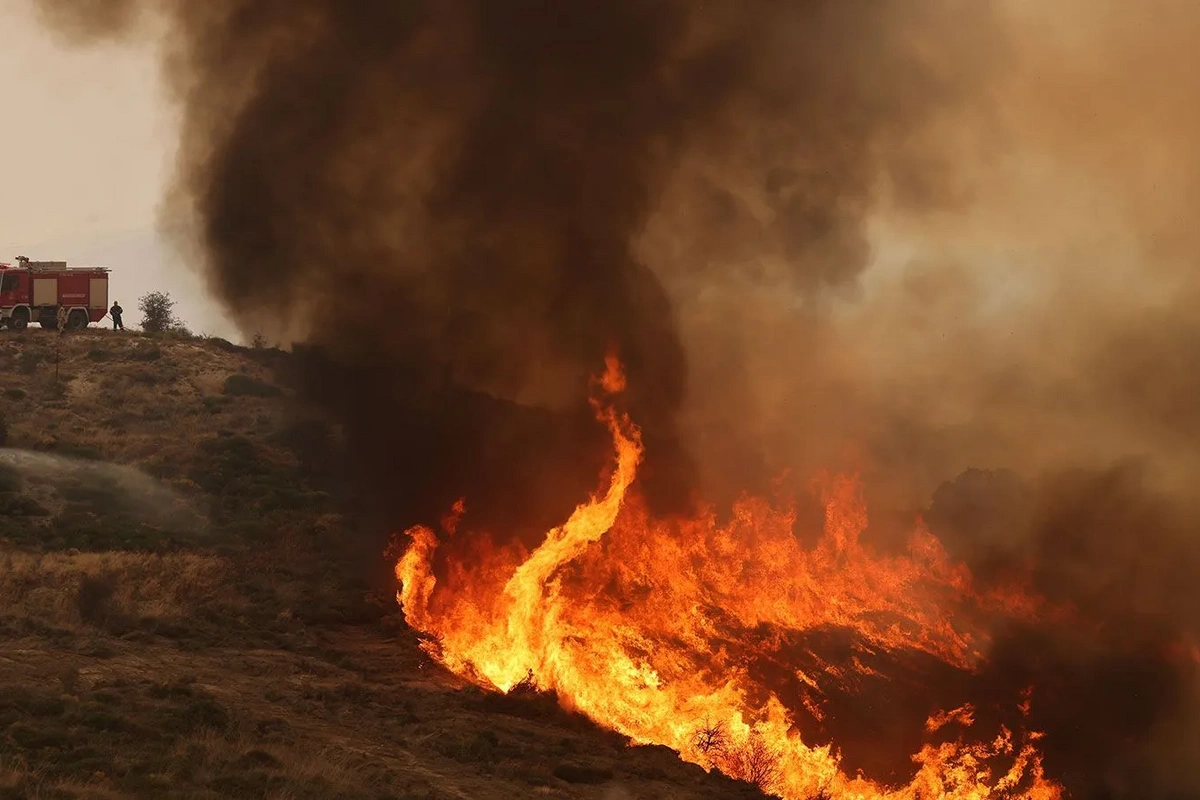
pixel 638 621
pixel 752 760
pixel 711 739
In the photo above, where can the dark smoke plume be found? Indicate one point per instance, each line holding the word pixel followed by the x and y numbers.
pixel 951 233
pixel 450 194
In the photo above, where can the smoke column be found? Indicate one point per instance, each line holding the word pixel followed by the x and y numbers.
pixel 451 193
pixel 915 236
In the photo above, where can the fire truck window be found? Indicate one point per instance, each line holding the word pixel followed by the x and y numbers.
pixel 9 283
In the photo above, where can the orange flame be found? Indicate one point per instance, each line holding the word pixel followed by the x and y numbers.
pixel 633 620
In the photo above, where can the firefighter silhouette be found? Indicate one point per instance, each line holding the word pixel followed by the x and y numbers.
pixel 62 318
pixel 115 312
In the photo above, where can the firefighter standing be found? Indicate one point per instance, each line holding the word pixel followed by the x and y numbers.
pixel 115 312
pixel 62 318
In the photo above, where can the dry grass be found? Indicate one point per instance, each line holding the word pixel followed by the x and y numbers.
pixel 69 589
pixel 247 661
pixel 283 770
pixel 16 781
pixel 141 398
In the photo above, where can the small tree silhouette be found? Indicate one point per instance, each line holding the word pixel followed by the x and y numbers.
pixel 158 312
pixel 711 739
pixel 755 762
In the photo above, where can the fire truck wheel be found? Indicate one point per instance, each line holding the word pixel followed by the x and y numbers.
pixel 19 320
pixel 77 321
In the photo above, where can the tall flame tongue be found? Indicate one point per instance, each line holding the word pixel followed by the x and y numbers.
pixel 651 628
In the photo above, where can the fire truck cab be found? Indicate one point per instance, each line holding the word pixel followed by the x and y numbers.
pixel 33 291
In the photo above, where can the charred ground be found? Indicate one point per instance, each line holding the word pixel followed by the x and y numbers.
pixel 206 630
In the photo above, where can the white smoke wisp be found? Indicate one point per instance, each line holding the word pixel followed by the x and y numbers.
pixel 143 497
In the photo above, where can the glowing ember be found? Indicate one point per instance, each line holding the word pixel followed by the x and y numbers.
pixel 651 627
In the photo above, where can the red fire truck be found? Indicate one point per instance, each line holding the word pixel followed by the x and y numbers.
pixel 33 291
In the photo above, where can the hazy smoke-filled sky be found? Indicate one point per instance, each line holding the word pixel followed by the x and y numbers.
pixel 1029 294
pixel 87 142
pixel 909 237
pixel 1000 272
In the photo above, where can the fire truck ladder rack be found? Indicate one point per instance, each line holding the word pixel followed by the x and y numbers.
pixel 55 266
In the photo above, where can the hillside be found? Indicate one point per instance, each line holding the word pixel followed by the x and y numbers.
pixel 182 613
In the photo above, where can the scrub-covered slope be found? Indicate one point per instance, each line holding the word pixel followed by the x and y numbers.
pixel 181 614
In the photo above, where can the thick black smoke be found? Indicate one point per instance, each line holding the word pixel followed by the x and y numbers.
pixel 445 198
pixel 443 195
pixel 1116 689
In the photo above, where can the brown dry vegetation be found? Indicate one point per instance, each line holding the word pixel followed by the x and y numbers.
pixel 190 627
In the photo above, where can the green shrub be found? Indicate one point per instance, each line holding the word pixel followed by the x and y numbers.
pixel 93 598
pixel 158 313
pixel 242 385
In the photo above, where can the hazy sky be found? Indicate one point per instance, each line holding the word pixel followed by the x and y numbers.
pixel 86 148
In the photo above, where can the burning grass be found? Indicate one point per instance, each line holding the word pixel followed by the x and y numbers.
pixel 674 632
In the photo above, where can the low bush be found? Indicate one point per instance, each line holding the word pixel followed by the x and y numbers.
pixel 148 353
pixel 242 385
pixel 93 599
pixel 224 344
pixel 28 361
pixel 21 505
